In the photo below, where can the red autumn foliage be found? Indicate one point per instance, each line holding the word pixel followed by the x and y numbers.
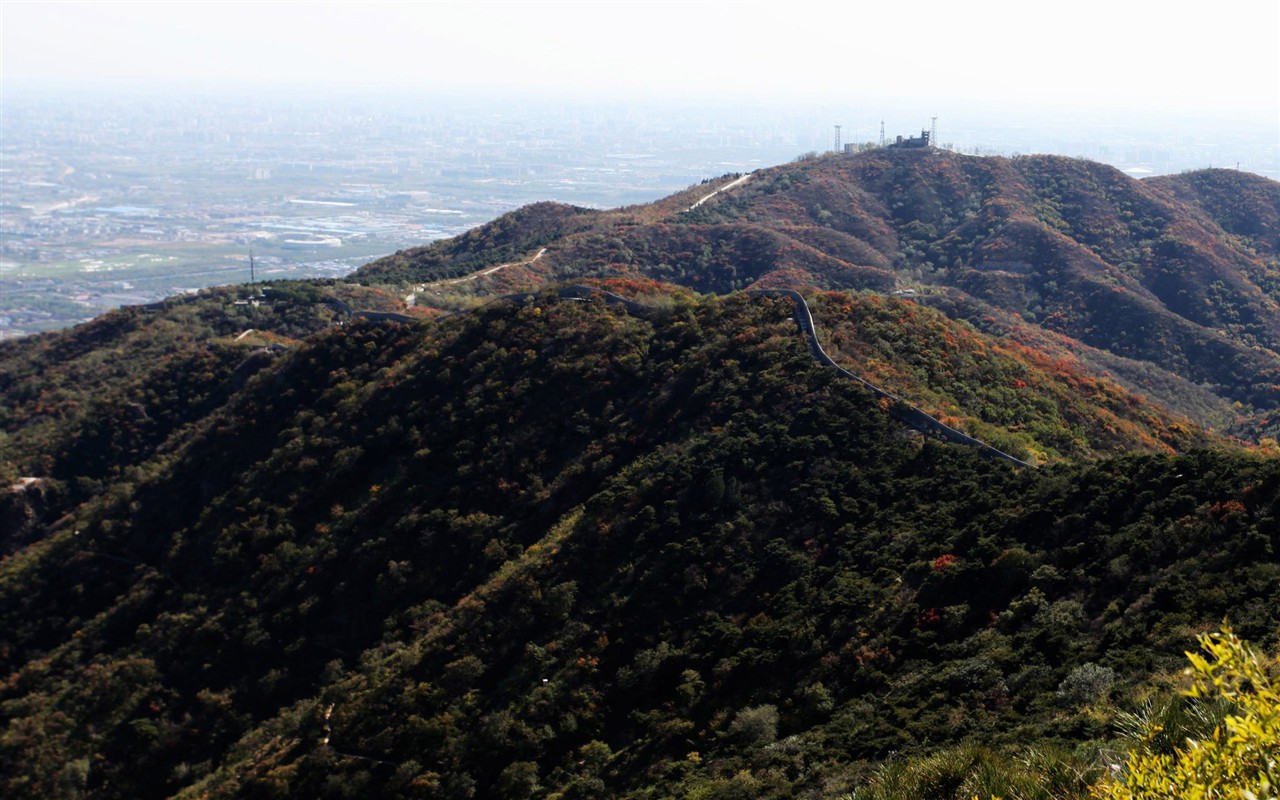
pixel 928 618
pixel 943 561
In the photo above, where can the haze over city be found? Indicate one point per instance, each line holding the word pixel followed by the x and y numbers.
pixel 1215 58
pixel 147 148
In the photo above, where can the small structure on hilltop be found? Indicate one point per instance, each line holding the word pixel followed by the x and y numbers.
pixel 915 141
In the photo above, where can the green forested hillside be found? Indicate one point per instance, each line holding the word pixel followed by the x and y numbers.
pixel 557 549
pixel 1041 404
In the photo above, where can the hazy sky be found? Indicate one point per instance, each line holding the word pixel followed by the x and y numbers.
pixel 1216 58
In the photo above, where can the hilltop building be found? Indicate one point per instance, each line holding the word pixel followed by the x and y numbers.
pixel 915 141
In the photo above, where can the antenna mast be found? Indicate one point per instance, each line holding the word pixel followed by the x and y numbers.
pixel 882 133
pixel 933 131
pixel 837 138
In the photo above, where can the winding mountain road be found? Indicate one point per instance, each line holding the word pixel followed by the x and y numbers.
pixel 900 410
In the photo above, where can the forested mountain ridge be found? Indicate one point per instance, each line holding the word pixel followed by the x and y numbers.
pixel 88 406
pixel 310 539
pixel 1178 277
pixel 557 548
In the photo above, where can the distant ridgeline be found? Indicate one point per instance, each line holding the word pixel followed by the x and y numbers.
pixel 1165 286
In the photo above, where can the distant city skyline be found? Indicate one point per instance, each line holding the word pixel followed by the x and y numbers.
pixel 1219 59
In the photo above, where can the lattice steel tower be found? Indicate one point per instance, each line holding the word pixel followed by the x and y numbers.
pixel 837 138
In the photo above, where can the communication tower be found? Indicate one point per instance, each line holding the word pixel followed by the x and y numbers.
pixel 882 133
pixel 933 131
pixel 837 148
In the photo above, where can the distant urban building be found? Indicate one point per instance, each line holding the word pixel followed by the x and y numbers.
pixel 262 174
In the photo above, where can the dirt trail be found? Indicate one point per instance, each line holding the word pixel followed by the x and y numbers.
pixel 724 188
pixel 412 298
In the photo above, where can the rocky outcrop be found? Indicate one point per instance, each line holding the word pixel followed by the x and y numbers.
pixel 24 507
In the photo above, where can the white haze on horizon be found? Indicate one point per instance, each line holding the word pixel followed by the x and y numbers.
pixel 1220 59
